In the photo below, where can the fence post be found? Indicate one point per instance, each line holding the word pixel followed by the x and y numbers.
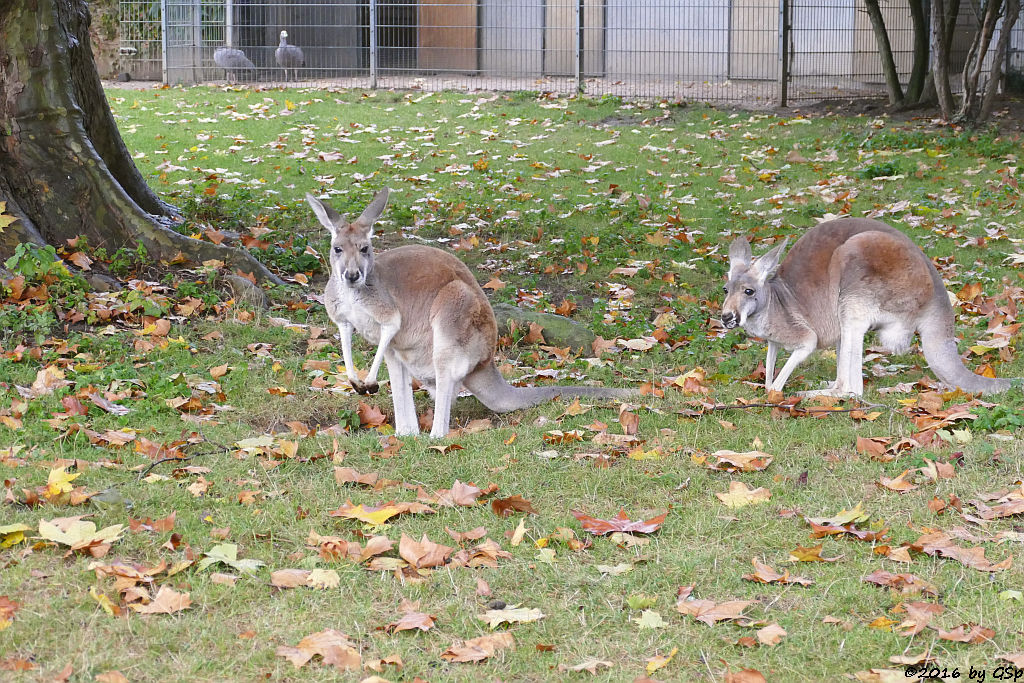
pixel 578 46
pixel 373 44
pixel 163 40
pixel 229 23
pixel 784 30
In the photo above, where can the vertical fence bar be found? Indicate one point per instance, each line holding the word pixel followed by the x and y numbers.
pixel 784 28
pixel 163 40
pixel 373 44
pixel 229 23
pixel 578 45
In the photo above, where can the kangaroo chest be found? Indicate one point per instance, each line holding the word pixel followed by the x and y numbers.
pixel 347 305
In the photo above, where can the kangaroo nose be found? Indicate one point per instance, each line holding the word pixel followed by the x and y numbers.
pixel 352 275
pixel 729 319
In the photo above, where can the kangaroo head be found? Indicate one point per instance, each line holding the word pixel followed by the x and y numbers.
pixel 351 252
pixel 745 292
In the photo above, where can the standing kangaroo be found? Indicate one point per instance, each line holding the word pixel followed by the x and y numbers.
pixel 429 318
pixel 841 279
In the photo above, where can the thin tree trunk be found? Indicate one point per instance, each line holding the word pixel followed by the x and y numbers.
pixel 941 42
pixel 892 78
pixel 919 70
pixel 996 74
pixel 974 64
pixel 64 170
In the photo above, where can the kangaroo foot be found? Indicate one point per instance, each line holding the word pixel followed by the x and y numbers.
pixel 365 388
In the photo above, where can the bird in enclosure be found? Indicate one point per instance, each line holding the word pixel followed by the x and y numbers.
pixel 289 56
pixel 232 60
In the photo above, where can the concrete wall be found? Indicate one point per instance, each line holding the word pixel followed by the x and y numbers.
pixel 512 37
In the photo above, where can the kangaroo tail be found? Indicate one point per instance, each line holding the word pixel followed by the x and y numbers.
pixel 939 346
pixel 490 387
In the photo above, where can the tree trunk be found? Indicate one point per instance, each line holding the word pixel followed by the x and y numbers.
pixel 944 13
pixel 970 105
pixel 64 170
pixel 892 78
pixel 919 70
pixel 996 74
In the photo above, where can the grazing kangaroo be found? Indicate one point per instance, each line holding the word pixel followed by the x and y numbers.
pixel 429 318
pixel 841 279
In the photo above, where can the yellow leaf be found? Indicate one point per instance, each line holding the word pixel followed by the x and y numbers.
pixel 660 661
pixel 59 481
pixel 740 495
pixel 376 518
pixel 103 601
pixel 13 534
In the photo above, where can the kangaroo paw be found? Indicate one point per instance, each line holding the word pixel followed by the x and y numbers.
pixel 362 389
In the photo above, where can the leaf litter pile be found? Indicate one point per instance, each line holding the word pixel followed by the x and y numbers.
pixel 193 490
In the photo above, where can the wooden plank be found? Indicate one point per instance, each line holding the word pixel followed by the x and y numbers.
pixel 447 35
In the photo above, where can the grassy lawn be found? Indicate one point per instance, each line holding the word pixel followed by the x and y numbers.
pixel 618 214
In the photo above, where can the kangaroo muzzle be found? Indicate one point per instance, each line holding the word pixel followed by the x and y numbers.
pixel 730 320
pixel 352 276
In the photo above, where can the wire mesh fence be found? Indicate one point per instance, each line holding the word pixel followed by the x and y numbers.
pixel 750 51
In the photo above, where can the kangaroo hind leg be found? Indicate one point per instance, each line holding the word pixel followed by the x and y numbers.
pixel 406 423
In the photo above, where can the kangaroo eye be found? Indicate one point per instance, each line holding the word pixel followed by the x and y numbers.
pixel 725 289
pixel 748 292
pixel 337 250
pixel 364 250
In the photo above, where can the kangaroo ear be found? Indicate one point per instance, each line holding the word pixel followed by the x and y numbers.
pixel 766 266
pixel 327 216
pixel 372 212
pixel 739 256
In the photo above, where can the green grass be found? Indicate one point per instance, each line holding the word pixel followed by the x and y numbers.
pixel 554 210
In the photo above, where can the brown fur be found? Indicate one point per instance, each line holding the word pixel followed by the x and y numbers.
pixel 429 318
pixel 842 278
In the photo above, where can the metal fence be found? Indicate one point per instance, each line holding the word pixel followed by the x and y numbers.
pixel 768 51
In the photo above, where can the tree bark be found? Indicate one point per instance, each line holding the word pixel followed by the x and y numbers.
pixel 892 78
pixel 64 169
pixel 970 104
pixel 919 70
pixel 944 14
pixel 996 74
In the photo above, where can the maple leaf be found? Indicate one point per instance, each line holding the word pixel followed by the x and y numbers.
pixel 898 484
pixel 904 584
pixel 940 544
pixel 370 416
pixel 919 614
pixel 765 574
pixel 47 380
pixel 12 534
pixel 375 516
pixel 503 507
pixel 333 646
pixel 740 495
pixel 289 578
pixel 731 461
pixel 660 661
pixel 621 522
pixel 471 535
pixel 968 633
pixel 744 676
pixel 771 634
pixel 810 554
pixel 649 619
pixel 80 534
pixel 58 481
pixel 424 553
pixel 411 621
pixel 167 601
pixel 478 649
pixel 227 553
pixel 709 612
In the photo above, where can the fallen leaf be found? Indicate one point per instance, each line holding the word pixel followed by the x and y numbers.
pixel 478 649
pixel 503 507
pixel 771 634
pixel 660 661
pixel 167 601
pixel 424 553
pixel 740 495
pixel 765 574
pixel 710 612
pixel 621 522
pixel 513 614
pixel 333 646
pixel 411 621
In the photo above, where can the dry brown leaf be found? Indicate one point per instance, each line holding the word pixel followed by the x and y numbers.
pixel 503 507
pixel 478 649
pixel 333 646
pixel 904 584
pixel 772 634
pixel 765 574
pixel 424 553
pixel 167 601
pixel 709 612
pixel 411 621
